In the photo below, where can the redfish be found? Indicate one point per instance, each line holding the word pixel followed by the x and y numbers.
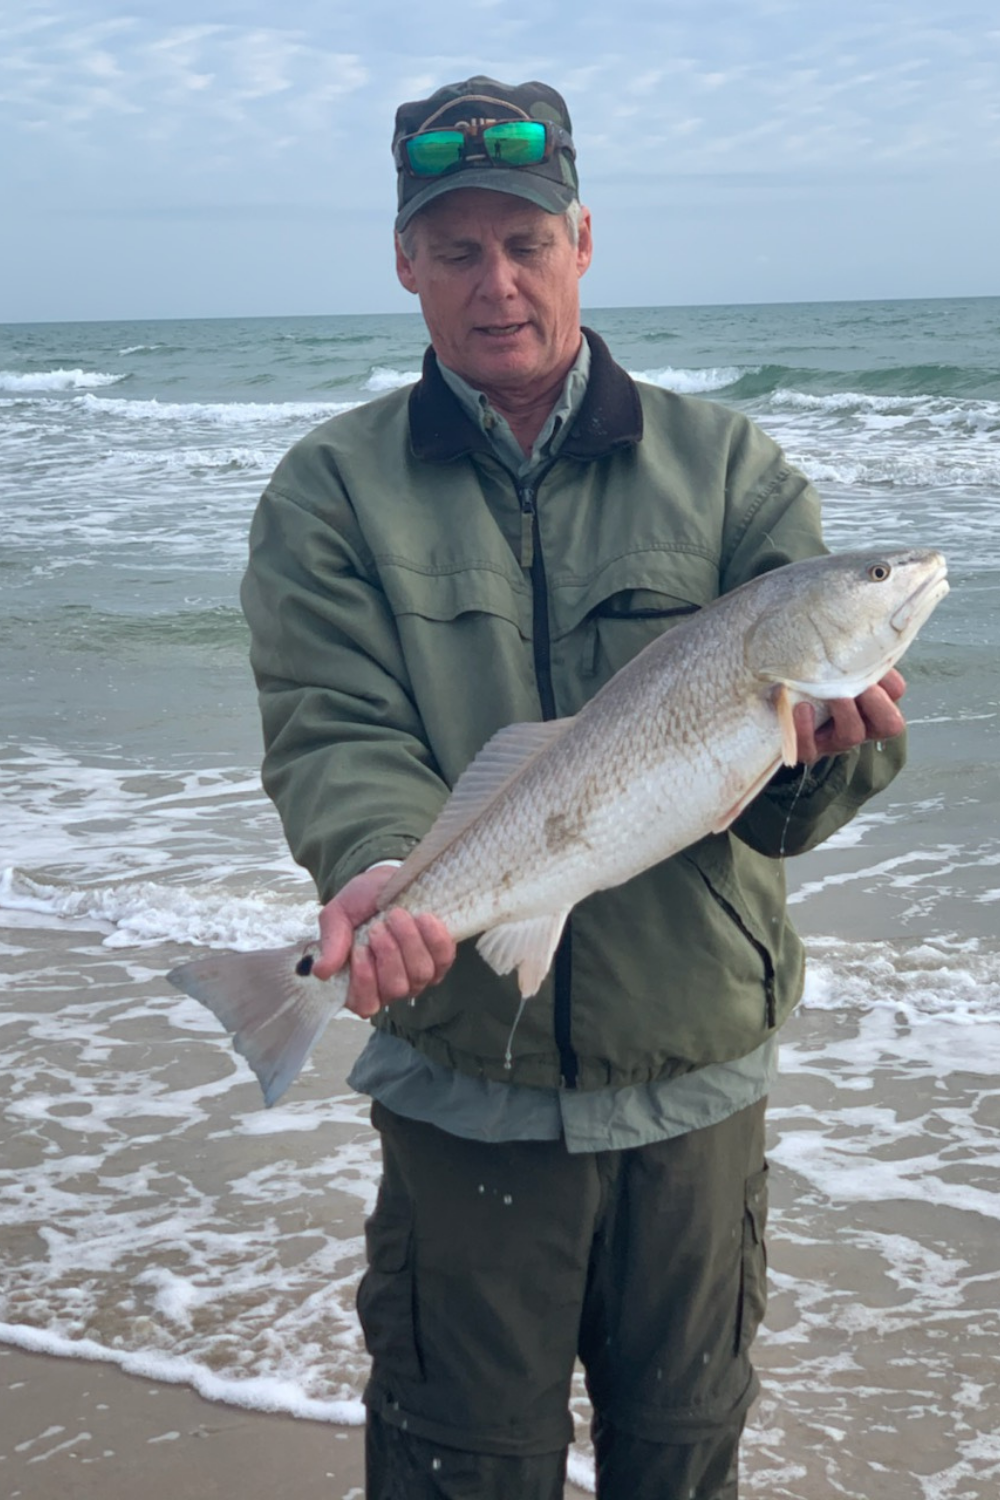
pixel 671 750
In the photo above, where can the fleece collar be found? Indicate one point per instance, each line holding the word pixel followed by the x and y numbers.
pixel 610 415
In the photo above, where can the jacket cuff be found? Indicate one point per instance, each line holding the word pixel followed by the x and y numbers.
pixel 383 849
pixel 801 780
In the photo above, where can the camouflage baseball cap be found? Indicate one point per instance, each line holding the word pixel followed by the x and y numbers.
pixel 478 102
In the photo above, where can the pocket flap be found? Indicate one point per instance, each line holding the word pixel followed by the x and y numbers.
pixel 478 589
pixel 652 583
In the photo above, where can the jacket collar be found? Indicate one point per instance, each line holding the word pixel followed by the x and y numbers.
pixel 610 415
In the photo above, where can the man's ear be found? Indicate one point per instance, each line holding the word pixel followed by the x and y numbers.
pixel 404 268
pixel 585 242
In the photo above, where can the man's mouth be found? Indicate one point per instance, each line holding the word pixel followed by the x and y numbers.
pixel 501 330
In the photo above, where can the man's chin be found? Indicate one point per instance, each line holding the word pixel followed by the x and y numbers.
pixel 514 355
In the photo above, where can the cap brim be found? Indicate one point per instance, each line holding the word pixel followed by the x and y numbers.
pixel 554 197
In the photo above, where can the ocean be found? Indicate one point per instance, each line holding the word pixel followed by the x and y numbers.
pixel 150 1212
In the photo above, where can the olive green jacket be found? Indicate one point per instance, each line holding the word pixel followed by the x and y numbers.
pixel 406 600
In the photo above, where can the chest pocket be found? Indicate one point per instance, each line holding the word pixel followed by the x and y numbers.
pixel 466 640
pixel 624 608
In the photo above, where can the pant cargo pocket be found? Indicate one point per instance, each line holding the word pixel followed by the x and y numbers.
pixel 386 1297
pixel 753 1273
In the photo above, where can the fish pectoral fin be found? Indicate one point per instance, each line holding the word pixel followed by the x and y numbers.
pixel 782 700
pixel 501 759
pixel 526 946
pixel 729 817
pixel 270 1002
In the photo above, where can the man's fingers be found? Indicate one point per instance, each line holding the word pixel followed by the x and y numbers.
pixel 418 962
pixel 893 684
pixel 338 918
pixel 882 718
pixel 440 945
pixel 391 965
pixel 363 996
pixel 844 729
pixel 873 715
pixel 336 935
pixel 403 955
pixel 804 716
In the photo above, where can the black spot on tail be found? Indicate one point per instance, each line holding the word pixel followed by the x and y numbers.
pixel 304 966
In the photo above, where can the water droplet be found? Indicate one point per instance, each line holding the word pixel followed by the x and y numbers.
pixel 507 1199
pixel 435 1463
pixel 482 1187
pixel 879 744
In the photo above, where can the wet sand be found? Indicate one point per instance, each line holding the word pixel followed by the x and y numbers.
pixel 75 1428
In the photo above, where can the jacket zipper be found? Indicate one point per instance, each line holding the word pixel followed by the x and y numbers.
pixel 532 559
pixel 767 963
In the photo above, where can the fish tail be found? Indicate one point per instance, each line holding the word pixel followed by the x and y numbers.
pixel 271 1003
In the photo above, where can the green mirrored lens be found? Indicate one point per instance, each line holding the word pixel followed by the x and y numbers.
pixel 435 151
pixel 519 143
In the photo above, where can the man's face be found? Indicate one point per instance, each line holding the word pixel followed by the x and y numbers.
pixel 498 282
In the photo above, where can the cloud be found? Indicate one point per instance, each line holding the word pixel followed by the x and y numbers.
pixel 151 112
pixel 71 78
pixel 797 84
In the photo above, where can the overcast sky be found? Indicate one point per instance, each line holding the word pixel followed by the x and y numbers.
pixel 172 158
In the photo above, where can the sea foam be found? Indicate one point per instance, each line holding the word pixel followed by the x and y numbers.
pixel 692 382
pixel 382 379
pixel 56 380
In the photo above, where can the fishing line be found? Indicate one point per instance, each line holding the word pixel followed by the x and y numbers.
pixel 799 789
pixel 508 1057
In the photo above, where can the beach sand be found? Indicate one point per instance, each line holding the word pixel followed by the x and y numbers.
pixel 84 1430
pixel 879 1357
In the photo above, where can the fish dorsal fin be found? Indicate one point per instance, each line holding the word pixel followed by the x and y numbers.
pixel 501 759
pixel 526 946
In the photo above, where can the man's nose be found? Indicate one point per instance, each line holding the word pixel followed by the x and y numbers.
pixel 498 278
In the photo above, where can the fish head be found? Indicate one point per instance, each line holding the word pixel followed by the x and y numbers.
pixel 833 626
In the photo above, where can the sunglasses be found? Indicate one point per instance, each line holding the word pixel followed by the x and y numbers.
pixel 507 143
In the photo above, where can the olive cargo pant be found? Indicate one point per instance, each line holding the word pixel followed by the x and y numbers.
pixel 492 1266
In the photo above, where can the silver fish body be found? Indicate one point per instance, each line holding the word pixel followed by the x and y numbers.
pixel 673 748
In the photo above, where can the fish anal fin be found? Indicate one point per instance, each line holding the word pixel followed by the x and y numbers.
pixel 729 817
pixel 501 759
pixel 526 946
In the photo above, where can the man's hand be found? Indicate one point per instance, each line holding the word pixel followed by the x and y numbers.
pixel 872 716
pixel 403 956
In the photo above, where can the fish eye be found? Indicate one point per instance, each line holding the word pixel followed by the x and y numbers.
pixel 878 572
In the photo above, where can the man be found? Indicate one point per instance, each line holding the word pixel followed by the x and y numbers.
pixel 487 547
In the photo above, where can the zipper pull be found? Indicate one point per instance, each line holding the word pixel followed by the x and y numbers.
pixel 527 499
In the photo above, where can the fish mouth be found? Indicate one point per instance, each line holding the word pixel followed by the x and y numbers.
pixel 915 609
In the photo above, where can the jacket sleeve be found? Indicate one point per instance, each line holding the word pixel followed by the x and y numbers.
pixel 773 518
pixel 346 761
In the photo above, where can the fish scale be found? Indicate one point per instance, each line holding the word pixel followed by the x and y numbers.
pixel 671 750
